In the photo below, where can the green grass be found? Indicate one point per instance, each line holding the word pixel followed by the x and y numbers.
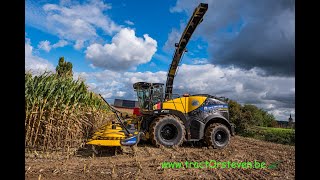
pixel 277 135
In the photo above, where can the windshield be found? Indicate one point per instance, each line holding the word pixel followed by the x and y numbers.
pixel 149 95
pixel 157 94
pixel 143 98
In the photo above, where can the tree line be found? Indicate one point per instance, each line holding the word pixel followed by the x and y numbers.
pixel 249 115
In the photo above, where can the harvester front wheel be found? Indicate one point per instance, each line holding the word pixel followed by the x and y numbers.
pixel 167 130
pixel 217 135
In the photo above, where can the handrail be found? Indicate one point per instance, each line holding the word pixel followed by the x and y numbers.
pixel 116 113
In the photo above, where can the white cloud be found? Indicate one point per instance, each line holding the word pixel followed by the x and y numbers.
pixel 120 93
pixel 81 75
pixel 73 21
pixel 65 2
pixel 111 84
pixel 126 51
pixel 44 45
pixel 179 7
pixel 162 57
pixel 173 37
pixel 239 88
pixel 200 61
pixel 79 44
pixel 129 22
pixel 35 64
pixel 244 86
pixel 283 113
pixel 60 43
pixel 35 16
pixel 92 66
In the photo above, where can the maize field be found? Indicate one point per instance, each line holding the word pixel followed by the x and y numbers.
pixel 60 113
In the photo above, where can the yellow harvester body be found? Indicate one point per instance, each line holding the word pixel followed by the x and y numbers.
pixel 108 135
pixel 183 104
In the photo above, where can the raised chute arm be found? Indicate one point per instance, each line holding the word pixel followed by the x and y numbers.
pixel 194 21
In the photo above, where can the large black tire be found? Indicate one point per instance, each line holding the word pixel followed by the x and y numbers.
pixel 217 135
pixel 167 130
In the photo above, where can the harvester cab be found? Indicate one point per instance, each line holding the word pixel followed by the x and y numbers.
pixel 149 94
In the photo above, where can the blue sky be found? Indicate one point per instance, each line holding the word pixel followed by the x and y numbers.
pixel 141 17
pixel 235 52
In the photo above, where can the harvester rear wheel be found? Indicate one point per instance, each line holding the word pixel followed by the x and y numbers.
pixel 167 130
pixel 217 135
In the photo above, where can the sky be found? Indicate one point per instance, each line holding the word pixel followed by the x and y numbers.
pixel 243 50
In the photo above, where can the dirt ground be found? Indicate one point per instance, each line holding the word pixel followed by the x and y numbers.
pixel 144 162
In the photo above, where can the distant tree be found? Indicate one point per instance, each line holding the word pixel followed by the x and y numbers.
pixel 236 116
pixel 234 112
pixel 64 69
pixel 269 120
pixel 273 123
pixel 249 115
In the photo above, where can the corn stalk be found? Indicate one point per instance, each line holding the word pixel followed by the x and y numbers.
pixel 55 111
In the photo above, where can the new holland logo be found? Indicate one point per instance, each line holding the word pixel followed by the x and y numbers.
pixel 221 107
pixel 195 103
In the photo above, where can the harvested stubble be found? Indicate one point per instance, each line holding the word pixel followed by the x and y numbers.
pixel 60 112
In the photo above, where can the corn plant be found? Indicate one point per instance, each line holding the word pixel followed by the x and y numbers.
pixel 60 112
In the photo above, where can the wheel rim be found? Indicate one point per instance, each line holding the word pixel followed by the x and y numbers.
pixel 169 132
pixel 220 137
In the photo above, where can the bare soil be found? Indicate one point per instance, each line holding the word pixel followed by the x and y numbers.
pixel 144 162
